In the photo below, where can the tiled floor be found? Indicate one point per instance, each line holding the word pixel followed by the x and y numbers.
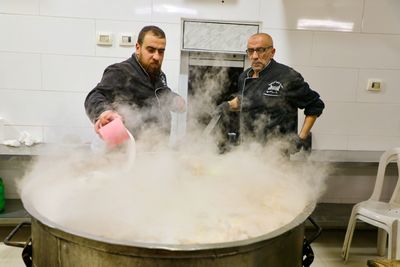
pixel 327 250
pixel 10 256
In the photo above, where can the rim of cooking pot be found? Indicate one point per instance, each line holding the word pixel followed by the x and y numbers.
pixel 300 218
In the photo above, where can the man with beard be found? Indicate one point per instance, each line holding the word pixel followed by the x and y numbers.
pixel 136 90
pixel 269 96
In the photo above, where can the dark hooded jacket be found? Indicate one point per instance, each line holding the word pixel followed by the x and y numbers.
pixel 270 102
pixel 128 89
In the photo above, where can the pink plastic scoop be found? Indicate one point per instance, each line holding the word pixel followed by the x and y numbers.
pixel 114 133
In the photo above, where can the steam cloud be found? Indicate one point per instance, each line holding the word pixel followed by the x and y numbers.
pixel 190 196
pixel 187 195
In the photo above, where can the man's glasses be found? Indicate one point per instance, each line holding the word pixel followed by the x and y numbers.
pixel 258 50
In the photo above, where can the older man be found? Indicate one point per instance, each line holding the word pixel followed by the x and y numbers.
pixel 136 89
pixel 270 94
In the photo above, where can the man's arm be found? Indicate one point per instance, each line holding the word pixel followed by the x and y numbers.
pixel 101 97
pixel 179 104
pixel 171 100
pixel 307 125
pixel 96 103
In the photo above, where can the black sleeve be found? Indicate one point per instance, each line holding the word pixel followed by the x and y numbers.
pixel 102 96
pixel 166 97
pixel 301 95
pixel 165 94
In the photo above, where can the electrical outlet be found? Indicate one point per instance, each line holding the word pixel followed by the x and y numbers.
pixel 374 85
pixel 126 39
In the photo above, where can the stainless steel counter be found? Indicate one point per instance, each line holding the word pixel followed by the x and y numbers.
pixel 315 155
pixel 41 149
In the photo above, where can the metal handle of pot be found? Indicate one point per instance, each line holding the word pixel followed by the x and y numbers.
pixel 308 253
pixel 27 251
pixel 317 233
pixel 7 241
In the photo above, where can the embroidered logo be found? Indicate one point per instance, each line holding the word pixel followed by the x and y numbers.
pixel 273 89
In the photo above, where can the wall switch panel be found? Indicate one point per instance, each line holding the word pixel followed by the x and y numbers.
pixel 104 38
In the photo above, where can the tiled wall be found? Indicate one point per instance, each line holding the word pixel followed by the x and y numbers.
pixel 49 59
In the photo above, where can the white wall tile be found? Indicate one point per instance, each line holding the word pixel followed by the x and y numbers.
pixel 328 141
pixel 327 15
pixel 20 71
pixel 171 69
pixel 68 135
pixel 356 50
pixel 389 93
pixel 333 84
pixel 373 142
pixel 73 73
pixel 47 35
pixel 334 120
pixel 292 47
pixel 20 6
pixel 40 108
pixel 119 9
pixel 381 16
pixel 374 119
pixel 234 10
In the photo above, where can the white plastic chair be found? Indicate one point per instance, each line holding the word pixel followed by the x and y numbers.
pixel 384 215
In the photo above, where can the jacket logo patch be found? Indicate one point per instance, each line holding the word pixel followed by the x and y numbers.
pixel 273 89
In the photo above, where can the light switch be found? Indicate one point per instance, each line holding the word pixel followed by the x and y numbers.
pixel 126 39
pixel 104 38
pixel 374 85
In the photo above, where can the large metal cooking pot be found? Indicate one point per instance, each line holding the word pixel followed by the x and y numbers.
pixel 54 245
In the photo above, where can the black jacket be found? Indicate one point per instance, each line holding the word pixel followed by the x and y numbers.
pixel 269 103
pixel 127 88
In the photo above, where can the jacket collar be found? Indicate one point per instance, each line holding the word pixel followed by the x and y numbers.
pixel 263 71
pixel 136 60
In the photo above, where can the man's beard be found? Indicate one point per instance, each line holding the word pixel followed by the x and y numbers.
pixel 152 69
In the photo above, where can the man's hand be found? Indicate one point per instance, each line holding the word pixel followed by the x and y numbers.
pixel 105 118
pixel 299 144
pixel 234 104
pixel 179 104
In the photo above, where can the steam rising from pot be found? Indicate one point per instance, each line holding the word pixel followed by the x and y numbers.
pixel 190 196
